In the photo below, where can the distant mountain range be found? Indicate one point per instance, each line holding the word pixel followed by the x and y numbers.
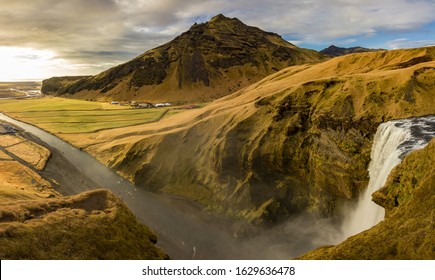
pixel 334 51
pixel 210 60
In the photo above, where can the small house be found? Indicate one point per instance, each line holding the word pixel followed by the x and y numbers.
pixel 145 105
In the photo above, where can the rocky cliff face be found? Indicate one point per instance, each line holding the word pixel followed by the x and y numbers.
pixel 298 141
pixel 210 60
pixel 408 229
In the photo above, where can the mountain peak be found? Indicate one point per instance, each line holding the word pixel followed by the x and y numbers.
pixel 221 23
pixel 219 17
pixel 208 61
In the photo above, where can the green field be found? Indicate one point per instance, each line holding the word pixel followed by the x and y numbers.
pixel 59 115
pixel 54 104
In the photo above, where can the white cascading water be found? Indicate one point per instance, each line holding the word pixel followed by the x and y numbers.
pixel 392 142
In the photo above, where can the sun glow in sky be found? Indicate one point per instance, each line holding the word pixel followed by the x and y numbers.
pixel 27 64
pixel 44 38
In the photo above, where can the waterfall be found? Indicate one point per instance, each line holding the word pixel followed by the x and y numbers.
pixel 392 142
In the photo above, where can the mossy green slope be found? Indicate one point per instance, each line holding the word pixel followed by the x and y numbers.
pixel 408 230
pixel 92 225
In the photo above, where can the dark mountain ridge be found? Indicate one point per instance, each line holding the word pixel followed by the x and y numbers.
pixel 334 51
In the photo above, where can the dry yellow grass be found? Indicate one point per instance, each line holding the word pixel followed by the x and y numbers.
pixel 8 140
pixel 92 225
pixel 28 151
pixel 18 182
pixel 3 155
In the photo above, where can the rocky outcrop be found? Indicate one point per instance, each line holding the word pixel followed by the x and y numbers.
pixel 408 229
pixel 210 60
pixel 56 83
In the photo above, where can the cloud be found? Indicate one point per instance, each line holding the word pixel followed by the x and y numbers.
pixel 316 21
pixel 404 43
pixel 25 63
pixel 83 31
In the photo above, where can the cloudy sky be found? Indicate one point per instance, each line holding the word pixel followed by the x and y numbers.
pixel 44 38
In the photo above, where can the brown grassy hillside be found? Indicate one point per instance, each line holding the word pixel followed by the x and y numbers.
pixel 299 140
pixel 210 60
pixel 92 225
pixel 408 229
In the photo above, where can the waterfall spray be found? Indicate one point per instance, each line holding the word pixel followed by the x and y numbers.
pixel 392 142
